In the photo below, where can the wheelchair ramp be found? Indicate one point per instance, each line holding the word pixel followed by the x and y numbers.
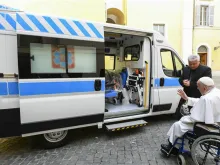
pixel 126 125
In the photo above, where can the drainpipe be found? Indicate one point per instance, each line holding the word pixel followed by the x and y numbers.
pixel 124 4
pixel 193 25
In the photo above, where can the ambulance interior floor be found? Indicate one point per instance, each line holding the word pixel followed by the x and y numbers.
pixel 121 107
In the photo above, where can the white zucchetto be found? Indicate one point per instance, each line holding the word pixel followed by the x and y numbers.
pixel 207 81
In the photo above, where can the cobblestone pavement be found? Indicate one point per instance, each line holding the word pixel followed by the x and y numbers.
pixel 92 146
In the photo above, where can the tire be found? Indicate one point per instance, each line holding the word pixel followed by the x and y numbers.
pixel 215 138
pixel 181 160
pixel 54 139
pixel 115 101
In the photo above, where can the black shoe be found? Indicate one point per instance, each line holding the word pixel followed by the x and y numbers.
pixel 168 147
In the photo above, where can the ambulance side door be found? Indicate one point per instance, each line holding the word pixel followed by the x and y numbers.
pixel 169 70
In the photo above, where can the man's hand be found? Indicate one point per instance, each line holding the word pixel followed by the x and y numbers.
pixel 182 94
pixel 186 83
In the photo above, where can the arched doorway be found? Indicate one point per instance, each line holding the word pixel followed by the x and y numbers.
pixel 109 20
pixel 203 53
pixel 115 16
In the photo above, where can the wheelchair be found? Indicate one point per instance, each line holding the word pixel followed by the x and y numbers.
pixel 204 139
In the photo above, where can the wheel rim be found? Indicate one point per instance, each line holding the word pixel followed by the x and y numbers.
pixel 55 137
pixel 205 150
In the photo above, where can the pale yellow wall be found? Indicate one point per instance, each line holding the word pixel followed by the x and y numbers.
pixel 210 36
pixel 144 13
pixel 93 10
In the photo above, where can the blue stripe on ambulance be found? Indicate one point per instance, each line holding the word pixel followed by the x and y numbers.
pixel 37 23
pixel 82 29
pixel 3 89
pixel 53 25
pixel 68 27
pixel 11 21
pixel 33 23
pixel 42 88
pixel 94 30
pixel 13 88
pixel 168 82
pixel 2 27
pixel 23 23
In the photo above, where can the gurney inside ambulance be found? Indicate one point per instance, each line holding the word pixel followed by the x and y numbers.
pixel 126 84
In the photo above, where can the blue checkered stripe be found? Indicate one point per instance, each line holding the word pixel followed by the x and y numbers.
pixel 50 25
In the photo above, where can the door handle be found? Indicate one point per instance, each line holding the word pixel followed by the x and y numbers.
pixel 161 81
pixel 98 85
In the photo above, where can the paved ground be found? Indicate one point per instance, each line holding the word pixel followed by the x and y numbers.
pixel 92 146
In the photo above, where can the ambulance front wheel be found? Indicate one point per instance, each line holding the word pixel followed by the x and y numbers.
pixel 54 139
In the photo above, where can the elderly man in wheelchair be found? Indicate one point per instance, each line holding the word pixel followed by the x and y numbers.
pixel 200 128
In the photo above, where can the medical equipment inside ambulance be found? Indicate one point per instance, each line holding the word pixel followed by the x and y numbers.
pixel 125 83
pixel 134 85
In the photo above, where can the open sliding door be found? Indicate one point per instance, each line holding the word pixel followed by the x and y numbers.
pixel 60 83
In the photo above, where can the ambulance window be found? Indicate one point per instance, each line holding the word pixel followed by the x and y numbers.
pixel 110 61
pixel 178 63
pixel 45 57
pixel 167 62
pixel 132 53
pixel 81 59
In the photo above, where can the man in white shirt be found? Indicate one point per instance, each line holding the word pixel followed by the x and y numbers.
pixel 205 109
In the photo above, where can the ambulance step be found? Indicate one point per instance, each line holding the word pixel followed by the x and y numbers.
pixel 126 125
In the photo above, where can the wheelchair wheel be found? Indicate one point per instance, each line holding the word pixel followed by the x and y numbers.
pixel 181 160
pixel 206 150
pixel 115 101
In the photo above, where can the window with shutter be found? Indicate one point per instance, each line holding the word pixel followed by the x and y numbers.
pixel 204 14
pixel 211 15
pixel 197 15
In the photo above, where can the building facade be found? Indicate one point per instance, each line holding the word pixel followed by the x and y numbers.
pixel 93 10
pixel 191 26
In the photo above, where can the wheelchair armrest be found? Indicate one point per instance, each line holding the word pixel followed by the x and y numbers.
pixel 196 123
pixel 210 125
pixel 200 128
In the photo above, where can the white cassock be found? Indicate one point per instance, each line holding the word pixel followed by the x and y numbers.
pixel 205 109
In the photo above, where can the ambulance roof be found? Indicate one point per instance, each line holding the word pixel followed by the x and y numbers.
pixel 17 22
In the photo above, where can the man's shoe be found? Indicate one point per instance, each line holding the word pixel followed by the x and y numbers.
pixel 168 147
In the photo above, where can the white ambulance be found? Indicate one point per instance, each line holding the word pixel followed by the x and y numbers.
pixel 54 71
